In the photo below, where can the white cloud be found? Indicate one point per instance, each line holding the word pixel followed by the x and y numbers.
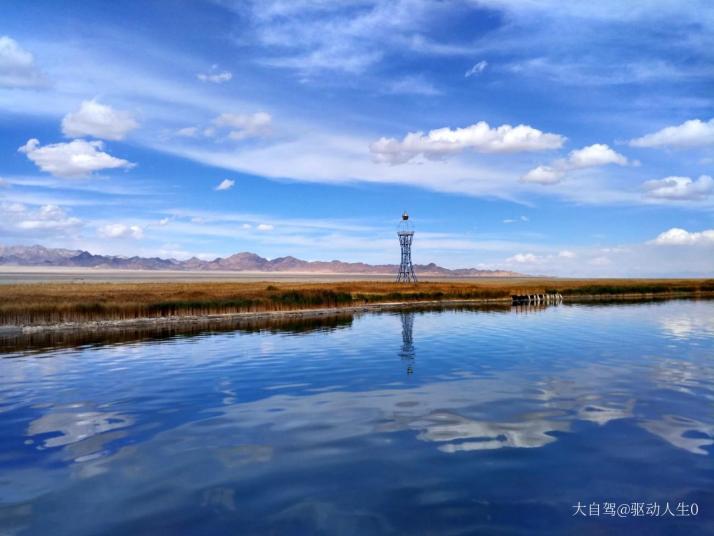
pixel 226 184
pixel 545 259
pixel 594 155
pixel 3 183
pixel 600 261
pixel 327 60
pixel 414 85
pixel 76 159
pixel 598 154
pixel 478 68
pixel 187 132
pixel 692 133
pixel 480 137
pixel 333 157
pixel 315 152
pixel 245 126
pixel 12 208
pixel 516 220
pixel 98 120
pixel 47 217
pixel 265 227
pixel 231 126
pixel 680 188
pixel 544 175
pixel 215 76
pixel 649 259
pixel 218 78
pixel 348 36
pixel 17 66
pixel 682 237
pixel 524 258
pixel 121 230
pixel 584 72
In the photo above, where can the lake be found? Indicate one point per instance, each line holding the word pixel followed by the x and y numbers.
pixel 572 419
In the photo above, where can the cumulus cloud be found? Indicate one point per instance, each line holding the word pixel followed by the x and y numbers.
pixel 265 227
pixel 76 159
pixel 544 175
pixel 17 66
pixel 594 155
pixel 598 154
pixel 243 126
pixel 478 68
pixel 480 137
pixel 692 133
pixel 226 184
pixel 680 188
pixel 215 76
pixel 46 217
pixel 120 230
pixel 681 237
pixel 98 120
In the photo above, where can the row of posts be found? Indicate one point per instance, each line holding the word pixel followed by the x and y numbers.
pixel 538 298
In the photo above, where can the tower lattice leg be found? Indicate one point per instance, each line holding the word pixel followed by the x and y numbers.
pixel 406 269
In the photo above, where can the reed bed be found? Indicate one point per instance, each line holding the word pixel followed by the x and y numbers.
pixel 55 303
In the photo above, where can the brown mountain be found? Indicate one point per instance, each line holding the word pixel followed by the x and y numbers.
pixel 240 262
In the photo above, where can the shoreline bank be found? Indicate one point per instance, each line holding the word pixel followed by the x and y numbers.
pixel 306 313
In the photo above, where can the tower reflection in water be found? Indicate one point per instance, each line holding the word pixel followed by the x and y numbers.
pixel 407 352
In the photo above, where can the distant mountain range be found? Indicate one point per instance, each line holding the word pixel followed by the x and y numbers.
pixel 240 262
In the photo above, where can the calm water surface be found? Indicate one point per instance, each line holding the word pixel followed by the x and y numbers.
pixel 413 422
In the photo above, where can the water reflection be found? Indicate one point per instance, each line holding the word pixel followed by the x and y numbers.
pixel 257 430
pixel 82 430
pixel 292 324
pixel 682 432
pixel 407 353
pixel 529 416
pixel 289 323
pixel 525 308
pixel 683 326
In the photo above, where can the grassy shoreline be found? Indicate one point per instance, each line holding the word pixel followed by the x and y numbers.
pixel 47 304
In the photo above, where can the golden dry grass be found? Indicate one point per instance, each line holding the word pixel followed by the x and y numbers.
pixel 46 303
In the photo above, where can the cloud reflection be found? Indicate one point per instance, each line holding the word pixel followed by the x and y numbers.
pixel 81 432
pixel 684 325
pixel 682 432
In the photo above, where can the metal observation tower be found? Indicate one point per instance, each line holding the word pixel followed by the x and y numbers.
pixel 405 232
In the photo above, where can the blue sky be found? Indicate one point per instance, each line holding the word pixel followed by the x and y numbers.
pixel 541 136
